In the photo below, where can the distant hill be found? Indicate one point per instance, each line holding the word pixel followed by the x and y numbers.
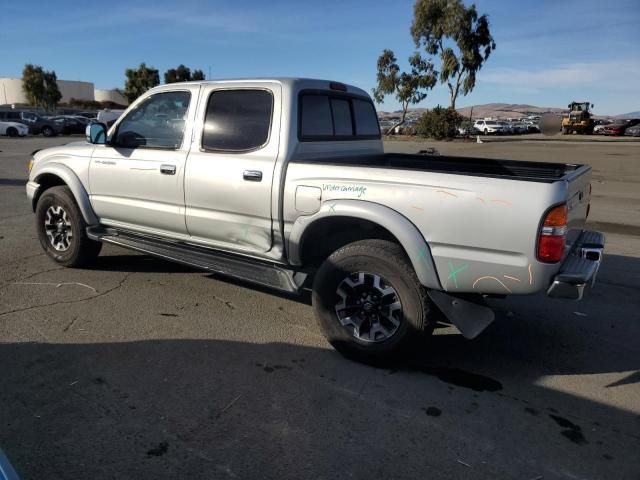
pixel 506 110
pixel 503 110
pixel 635 114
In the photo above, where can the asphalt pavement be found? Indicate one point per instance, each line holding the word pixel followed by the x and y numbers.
pixel 139 368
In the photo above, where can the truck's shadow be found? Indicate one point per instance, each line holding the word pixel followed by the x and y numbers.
pixel 187 408
pixel 184 408
pixel 599 334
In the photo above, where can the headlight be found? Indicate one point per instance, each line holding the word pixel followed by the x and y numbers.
pixel 30 165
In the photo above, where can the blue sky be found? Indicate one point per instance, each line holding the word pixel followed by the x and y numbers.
pixel 549 52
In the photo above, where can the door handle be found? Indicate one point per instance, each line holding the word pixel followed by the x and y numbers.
pixel 168 169
pixel 252 175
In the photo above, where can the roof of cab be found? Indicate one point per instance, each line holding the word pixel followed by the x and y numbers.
pixel 287 82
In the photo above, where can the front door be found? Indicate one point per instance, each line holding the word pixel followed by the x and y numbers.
pixel 136 181
pixel 230 169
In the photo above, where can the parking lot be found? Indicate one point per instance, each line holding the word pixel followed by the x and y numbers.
pixel 139 368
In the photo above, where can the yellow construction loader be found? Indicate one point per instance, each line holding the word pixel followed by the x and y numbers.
pixel 579 119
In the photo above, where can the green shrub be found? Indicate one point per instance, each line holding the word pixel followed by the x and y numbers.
pixel 439 123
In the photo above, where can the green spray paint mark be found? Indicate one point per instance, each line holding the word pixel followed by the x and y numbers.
pixel 453 273
pixel 246 232
pixel 423 255
pixel 358 189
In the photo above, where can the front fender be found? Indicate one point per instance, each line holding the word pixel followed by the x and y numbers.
pixel 71 180
pixel 398 225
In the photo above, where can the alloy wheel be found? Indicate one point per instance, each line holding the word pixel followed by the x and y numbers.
pixel 369 307
pixel 58 228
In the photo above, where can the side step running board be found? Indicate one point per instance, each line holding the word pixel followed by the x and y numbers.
pixel 249 270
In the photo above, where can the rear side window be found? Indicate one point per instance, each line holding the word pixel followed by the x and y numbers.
pixel 316 116
pixel 330 117
pixel 366 118
pixel 237 120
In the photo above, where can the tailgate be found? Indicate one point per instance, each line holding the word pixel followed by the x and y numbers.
pixel 578 198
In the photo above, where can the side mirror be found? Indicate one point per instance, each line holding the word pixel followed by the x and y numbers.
pixel 96 133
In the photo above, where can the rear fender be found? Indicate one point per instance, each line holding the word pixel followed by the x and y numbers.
pixel 398 225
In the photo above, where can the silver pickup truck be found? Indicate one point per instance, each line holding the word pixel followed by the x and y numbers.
pixel 285 183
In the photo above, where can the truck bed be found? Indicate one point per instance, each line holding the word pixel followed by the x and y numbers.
pixel 482 167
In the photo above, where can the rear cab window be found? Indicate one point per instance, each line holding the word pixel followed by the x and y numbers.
pixel 329 116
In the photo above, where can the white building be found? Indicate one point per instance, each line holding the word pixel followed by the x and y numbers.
pixel 110 96
pixel 11 92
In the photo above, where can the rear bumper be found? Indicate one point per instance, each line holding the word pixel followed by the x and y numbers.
pixel 579 268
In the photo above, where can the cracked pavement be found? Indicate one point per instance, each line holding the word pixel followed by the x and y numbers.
pixel 138 368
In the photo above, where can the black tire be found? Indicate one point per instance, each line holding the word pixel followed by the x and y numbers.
pixel 12 132
pixel 81 250
pixel 378 258
pixel 47 131
pixel 486 132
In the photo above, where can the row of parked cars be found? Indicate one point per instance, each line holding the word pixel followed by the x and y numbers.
pixel 630 127
pixel 19 123
pixel 504 127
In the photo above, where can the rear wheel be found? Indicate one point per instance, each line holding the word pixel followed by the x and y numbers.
pixel 62 229
pixel 47 131
pixel 12 132
pixel 368 301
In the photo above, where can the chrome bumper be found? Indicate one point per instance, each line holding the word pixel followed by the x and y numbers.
pixel 580 268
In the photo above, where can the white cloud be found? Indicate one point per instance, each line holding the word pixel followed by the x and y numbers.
pixel 618 75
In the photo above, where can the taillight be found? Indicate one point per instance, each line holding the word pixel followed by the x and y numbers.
pixel 551 240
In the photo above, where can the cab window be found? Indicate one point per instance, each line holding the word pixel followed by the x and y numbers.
pixel 158 122
pixel 237 120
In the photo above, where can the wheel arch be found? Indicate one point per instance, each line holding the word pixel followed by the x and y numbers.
pixel 338 222
pixel 56 174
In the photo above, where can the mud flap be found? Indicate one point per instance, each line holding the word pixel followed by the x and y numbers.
pixel 469 317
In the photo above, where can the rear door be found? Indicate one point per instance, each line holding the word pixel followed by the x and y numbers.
pixel 230 169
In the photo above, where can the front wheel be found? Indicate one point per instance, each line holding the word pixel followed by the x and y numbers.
pixel 47 131
pixel 62 229
pixel 368 301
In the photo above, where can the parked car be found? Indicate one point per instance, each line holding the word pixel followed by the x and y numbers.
pixel 35 122
pixel 284 183
pixel 506 127
pixel 599 129
pixel 89 115
pixel 71 123
pixel 533 127
pixel 619 128
pixel 108 117
pixel 520 128
pixel 633 131
pixel 488 126
pixel 13 129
